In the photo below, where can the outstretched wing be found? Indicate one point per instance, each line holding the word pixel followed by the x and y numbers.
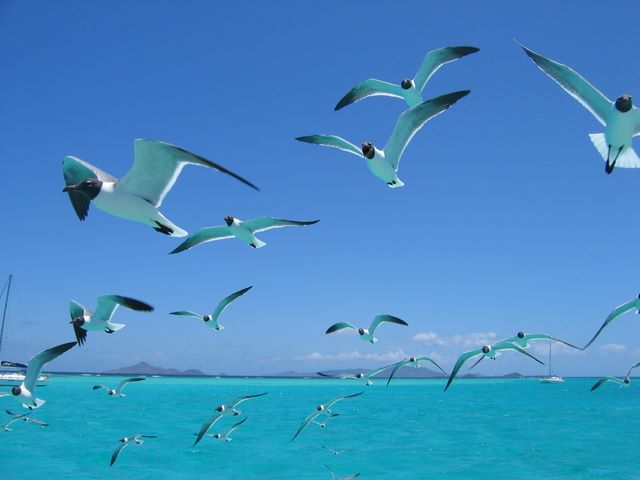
pixel 461 360
pixel 544 336
pixel 207 234
pixel 187 313
pixel 37 362
pixel 156 168
pixel 233 427
pixel 305 423
pixel 106 305
pixel 604 380
pixel 124 382
pixel 412 120
pixel 434 59
pixel 238 400
pixel 367 89
pixel 224 303
pixel 397 367
pixel 206 426
pixel 343 397
pixel 332 141
pixel 632 368
pixel 116 452
pixel 617 312
pixel 511 346
pixel 339 326
pixel 378 319
pixel 76 171
pixel 267 223
pixel 574 84
pixel 98 387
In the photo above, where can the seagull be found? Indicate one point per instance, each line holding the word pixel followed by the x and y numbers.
pixel 366 334
pixel 620 118
pixel 523 339
pixel 333 475
pixel 414 362
pixel 225 436
pixel 366 376
pixel 84 319
pixel 324 424
pixel 620 310
pixel 126 441
pixel 24 418
pixel 487 351
pixel 384 163
pixel 623 383
pixel 139 194
pixel 410 90
pixel 120 387
pixel 25 393
pixel 242 230
pixel 212 320
pixel 222 410
pixel 332 451
pixel 323 409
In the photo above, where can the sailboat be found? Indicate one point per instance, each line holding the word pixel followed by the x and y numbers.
pixel 12 373
pixel 550 378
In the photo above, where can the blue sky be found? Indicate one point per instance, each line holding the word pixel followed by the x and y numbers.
pixel 507 220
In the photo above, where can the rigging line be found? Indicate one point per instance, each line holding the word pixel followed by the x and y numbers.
pixel 4 313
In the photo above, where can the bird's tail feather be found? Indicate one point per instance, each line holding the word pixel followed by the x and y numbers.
pixel 627 159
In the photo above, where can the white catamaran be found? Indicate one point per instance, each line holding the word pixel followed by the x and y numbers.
pixel 12 373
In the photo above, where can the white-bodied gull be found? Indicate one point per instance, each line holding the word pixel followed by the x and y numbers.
pixel 24 417
pixel 242 230
pixel 139 194
pixel 332 451
pixel 212 320
pixel 620 118
pixel 633 304
pixel 413 362
pixel 522 339
pixel 366 334
pixel 323 409
pixel 125 441
pixel 25 394
pixel 366 376
pixel 118 390
pixel 410 90
pixel 623 383
pixel 84 319
pixel 385 163
pixel 226 434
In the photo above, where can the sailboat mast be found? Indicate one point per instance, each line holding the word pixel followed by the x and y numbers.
pixel 549 358
pixel 4 312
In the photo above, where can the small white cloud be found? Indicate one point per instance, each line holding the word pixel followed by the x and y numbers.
pixel 430 338
pixel 613 347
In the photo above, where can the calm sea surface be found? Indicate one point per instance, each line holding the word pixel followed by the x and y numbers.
pixel 516 428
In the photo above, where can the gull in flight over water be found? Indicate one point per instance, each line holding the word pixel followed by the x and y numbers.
pixel 366 376
pixel 25 394
pixel 118 390
pixel 623 383
pixel 366 334
pixel 222 410
pixel 139 194
pixel 410 90
pixel 486 351
pixel 413 362
pixel 522 339
pixel 212 320
pixel 633 304
pixel 84 319
pixel 385 163
pixel 22 417
pixel 323 409
pixel 125 441
pixel 226 435
pixel 334 477
pixel 332 451
pixel 620 118
pixel 242 230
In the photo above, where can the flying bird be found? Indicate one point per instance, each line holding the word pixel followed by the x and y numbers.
pixel 623 383
pixel 413 362
pixel 332 451
pixel 118 390
pixel 125 441
pixel 139 194
pixel 410 90
pixel 620 118
pixel 84 319
pixel 633 304
pixel 523 339
pixel 323 424
pixel 242 230
pixel 222 410
pixel 385 163
pixel 25 394
pixel 323 409
pixel 486 351
pixel 334 477
pixel 22 417
pixel 226 435
pixel 366 334
pixel 366 376
pixel 212 320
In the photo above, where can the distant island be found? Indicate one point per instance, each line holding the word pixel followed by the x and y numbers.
pixel 143 368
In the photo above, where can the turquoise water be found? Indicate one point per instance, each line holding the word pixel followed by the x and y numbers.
pixel 411 430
